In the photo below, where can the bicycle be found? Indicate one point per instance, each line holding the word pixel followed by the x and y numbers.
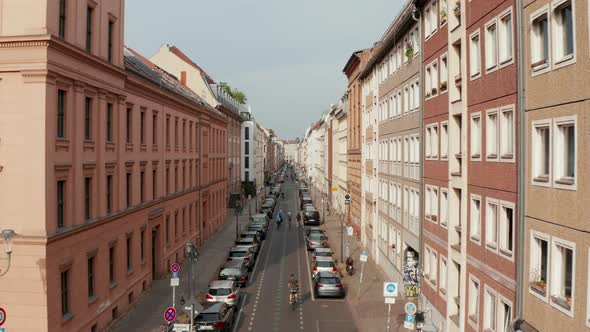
pixel 294 297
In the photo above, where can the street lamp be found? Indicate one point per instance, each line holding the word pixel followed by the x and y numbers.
pixel 192 254
pixel 8 236
pixel 238 210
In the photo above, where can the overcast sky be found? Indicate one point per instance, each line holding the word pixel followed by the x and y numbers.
pixel 285 55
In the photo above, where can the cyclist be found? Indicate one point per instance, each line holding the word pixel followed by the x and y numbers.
pixel 293 288
pixel 281 214
pixel 298 218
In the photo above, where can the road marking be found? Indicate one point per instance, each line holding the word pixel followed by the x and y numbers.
pixel 239 312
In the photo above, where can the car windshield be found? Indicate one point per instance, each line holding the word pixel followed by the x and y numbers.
pixel 329 281
pixel 208 317
pixel 238 254
pixel 311 213
pixel 220 291
pixel 229 272
pixel 323 254
pixel 316 237
pixel 246 240
pixel 325 263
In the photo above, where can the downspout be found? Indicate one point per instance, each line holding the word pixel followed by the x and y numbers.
pixel 521 171
pixel 416 16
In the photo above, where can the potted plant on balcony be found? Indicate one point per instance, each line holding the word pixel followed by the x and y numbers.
pixel 443 16
pixel 538 284
pixel 434 90
pixel 457 8
pixel 443 86
pixel 409 50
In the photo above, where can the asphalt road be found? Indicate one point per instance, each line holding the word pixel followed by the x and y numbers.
pixel 265 305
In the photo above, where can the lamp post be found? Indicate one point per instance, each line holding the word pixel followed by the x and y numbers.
pixel 192 255
pixel 8 236
pixel 238 210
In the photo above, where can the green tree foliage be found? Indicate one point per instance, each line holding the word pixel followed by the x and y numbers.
pixel 235 93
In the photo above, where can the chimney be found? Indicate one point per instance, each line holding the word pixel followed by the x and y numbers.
pixel 183 78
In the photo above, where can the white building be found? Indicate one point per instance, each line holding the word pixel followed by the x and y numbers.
pixel 249 147
pixel 291 151
pixel 339 124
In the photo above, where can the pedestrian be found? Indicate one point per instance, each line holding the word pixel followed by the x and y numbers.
pixel 328 208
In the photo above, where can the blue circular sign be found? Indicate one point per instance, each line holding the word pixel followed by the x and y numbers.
pixel 410 308
pixel 391 288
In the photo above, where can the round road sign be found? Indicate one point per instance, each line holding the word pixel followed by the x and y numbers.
pixel 175 267
pixel 410 308
pixel 170 314
pixel 2 316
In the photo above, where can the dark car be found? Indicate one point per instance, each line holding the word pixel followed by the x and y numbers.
pixel 234 271
pixel 267 209
pixel 242 253
pixel 217 317
pixel 304 201
pixel 328 284
pixel 311 216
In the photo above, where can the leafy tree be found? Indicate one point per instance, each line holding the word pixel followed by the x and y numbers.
pixel 238 95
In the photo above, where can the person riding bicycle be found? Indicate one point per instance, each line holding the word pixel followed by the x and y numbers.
pixel 289 216
pixel 293 288
pixel 281 214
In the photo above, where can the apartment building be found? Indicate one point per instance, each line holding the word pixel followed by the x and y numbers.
pixel 249 148
pixel 291 149
pixel 556 241
pixel 123 166
pixel 191 75
pixel 339 157
pixel 470 164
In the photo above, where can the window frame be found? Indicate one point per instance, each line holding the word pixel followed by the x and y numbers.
pixel 444 58
pixel 444 124
pixel 475 238
pixel 488 291
pixel 501 251
pixel 536 179
pixel 490 157
pixel 538 68
pixel 555 241
pixel 446 221
pixel 470 305
pixel 495 44
pixel 558 149
pixel 510 59
pixel 492 246
pixel 570 58
pixel 533 251
pixel 474 75
pixel 477 136
pixel 506 157
pixel 442 288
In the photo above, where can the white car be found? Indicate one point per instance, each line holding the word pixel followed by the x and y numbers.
pixel 324 264
pixel 223 291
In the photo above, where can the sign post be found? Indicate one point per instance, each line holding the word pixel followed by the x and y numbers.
pixel 347 203
pixel 390 291
pixel 363 259
pixel 410 309
pixel 174 281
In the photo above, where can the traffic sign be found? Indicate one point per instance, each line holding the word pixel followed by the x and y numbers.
pixel 390 289
pixel 408 325
pixel 182 328
pixel 390 300
pixel 175 267
pixel 334 188
pixel 347 196
pixel 2 329
pixel 2 316
pixel 174 282
pixel 410 308
pixel 410 318
pixel 349 230
pixel 347 202
pixel 170 314
pixel 364 256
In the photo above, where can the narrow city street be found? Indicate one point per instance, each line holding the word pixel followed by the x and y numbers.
pixel 266 304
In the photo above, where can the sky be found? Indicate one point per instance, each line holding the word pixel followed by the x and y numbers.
pixel 287 56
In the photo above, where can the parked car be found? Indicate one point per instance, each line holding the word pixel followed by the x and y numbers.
pixel 256 234
pixel 313 230
pixel 248 242
pixel 260 218
pixel 317 241
pixel 322 252
pixel 323 264
pixel 267 209
pixel 258 229
pixel 244 254
pixel 304 201
pixel 223 291
pixel 234 271
pixel 311 216
pixel 328 284
pixel 217 317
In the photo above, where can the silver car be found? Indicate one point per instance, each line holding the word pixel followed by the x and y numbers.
pixel 328 284
pixel 223 291
pixel 317 241
pixel 242 254
pixel 322 252
pixel 249 242
pixel 324 264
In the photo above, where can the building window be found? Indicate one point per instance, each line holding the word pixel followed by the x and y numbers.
pixel 62 19
pixel 444 208
pixel 60 203
pixel 563 29
pixel 492 224
pixel 247 176
pixel 475 220
pixel 184 134
pixel 442 283
pixel 112 265
pixel 489 307
pixel 504 315
pixel 154 129
pixel 142 186
pixel 444 140
pixel 475 56
pixel 246 147
pixel 128 251
pixel 87 198
pixel 142 245
pixel 507 134
pixel 110 41
pixel 176 133
pixel 565 151
pixel 540 42
pixel 129 125
pixel 539 264
pixel 88 119
pixel 167 181
pixel 428 141
pixel 176 179
pixel 246 162
pixel 443 12
pixel 475 145
pixel 154 184
pixel 444 74
pixel 65 298
pixel 142 127
pixel 91 278
pixel 541 150
pixel 562 272
pixel 167 229
pixel 109 194
pixel 434 141
pixel 109 122
pixel 473 300
pixel 61 106
pixel 246 132
pixel 492 136
pixel 89 11
pixel 505 45
pixel 128 189
pixel 506 231
pixel 176 225
pixel 491 45
pixel 427 263
pixel 433 267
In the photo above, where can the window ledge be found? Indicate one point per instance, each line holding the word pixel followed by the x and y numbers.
pixel 544 179
pixel 67 317
pixel 492 156
pixel 565 181
pixel 538 289
pixel 476 156
pixel 507 156
pixel 492 246
pixel 506 253
pixel 476 238
pixel 457 300
pixel 112 284
pixel 442 290
pixel 473 318
pixel 129 272
pixel 564 59
pixel 92 299
pixel 561 303
pixel 540 65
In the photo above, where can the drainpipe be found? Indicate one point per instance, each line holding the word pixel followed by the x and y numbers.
pixel 520 281
pixel 417 18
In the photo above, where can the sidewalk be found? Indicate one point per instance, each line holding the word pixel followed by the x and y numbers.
pixel 366 301
pixel 147 315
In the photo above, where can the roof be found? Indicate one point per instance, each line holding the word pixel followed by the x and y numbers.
pixel 140 66
pixel 327 274
pixel 233 264
pixel 323 249
pixel 324 259
pixel 214 308
pixel 221 284
pixel 176 51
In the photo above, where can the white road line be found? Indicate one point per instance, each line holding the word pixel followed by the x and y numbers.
pixel 240 313
pixel 309 274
